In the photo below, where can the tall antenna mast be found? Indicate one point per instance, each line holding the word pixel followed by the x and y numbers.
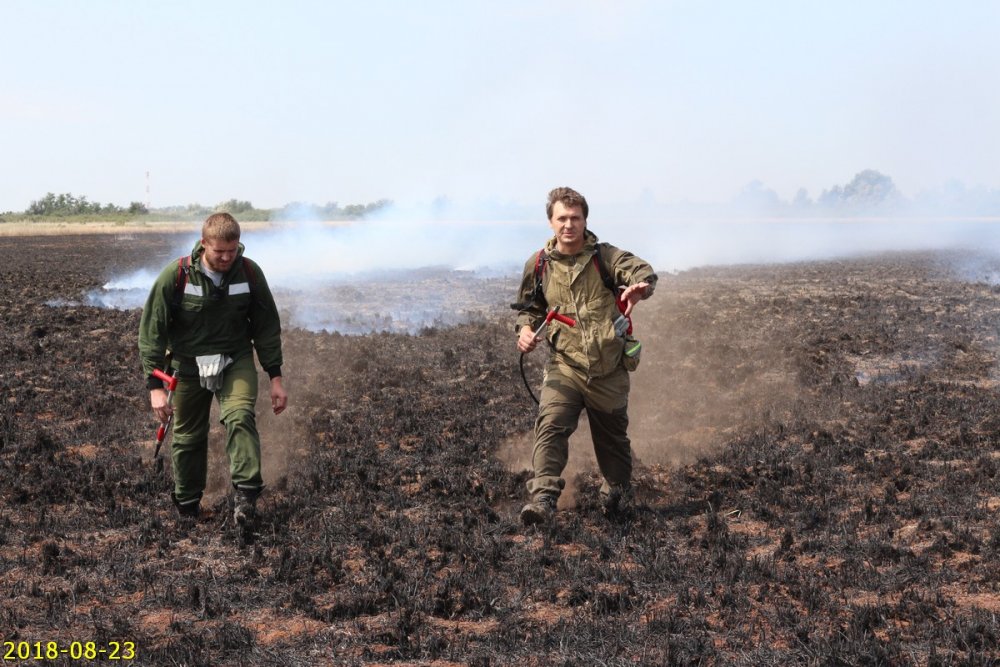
pixel 148 200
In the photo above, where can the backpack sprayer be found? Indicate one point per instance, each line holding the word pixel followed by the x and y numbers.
pixel 551 315
pixel 161 431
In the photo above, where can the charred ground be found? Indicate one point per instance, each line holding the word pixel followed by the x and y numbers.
pixel 831 431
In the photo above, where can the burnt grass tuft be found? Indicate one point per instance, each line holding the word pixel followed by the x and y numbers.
pixel 850 521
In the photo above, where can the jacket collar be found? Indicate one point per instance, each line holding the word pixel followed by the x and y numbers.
pixel 589 246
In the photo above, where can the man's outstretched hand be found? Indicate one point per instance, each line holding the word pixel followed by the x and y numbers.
pixel 633 294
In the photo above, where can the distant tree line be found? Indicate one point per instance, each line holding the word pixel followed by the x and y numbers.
pixel 54 205
pixel 871 192
pixel 70 207
pixel 241 210
pixel 329 211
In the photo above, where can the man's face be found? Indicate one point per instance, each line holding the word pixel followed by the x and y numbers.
pixel 219 255
pixel 567 224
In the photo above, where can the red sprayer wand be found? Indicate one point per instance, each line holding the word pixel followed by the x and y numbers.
pixel 161 431
pixel 554 315
pixel 549 316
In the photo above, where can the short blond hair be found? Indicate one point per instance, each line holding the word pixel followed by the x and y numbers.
pixel 221 227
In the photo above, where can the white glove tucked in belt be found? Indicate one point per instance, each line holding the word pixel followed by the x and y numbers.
pixel 210 367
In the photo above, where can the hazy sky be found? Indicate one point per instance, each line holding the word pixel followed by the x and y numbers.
pixel 357 101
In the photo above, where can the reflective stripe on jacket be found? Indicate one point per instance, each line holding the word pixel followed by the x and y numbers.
pixel 234 318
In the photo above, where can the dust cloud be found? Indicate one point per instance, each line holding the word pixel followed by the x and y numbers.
pixel 283 443
pixel 707 375
pixel 706 378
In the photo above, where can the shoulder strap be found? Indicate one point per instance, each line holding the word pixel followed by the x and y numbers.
pixel 249 270
pixel 609 282
pixel 541 259
pixel 606 278
pixel 180 281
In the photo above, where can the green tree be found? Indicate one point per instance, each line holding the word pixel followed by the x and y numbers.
pixel 62 205
pixel 868 190
pixel 234 207
pixel 69 205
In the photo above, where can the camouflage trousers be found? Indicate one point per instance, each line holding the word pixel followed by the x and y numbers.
pixel 566 392
pixel 192 415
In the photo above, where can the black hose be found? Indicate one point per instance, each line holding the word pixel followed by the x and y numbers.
pixel 525 378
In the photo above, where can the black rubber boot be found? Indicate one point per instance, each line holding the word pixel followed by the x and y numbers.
pixel 245 506
pixel 188 508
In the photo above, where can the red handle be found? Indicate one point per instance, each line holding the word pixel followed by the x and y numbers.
pixel 160 432
pixel 553 315
pixel 169 379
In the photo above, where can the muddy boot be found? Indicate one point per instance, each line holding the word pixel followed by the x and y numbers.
pixel 190 508
pixel 617 501
pixel 539 510
pixel 245 509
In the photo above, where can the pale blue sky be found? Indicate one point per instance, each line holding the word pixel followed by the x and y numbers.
pixel 498 101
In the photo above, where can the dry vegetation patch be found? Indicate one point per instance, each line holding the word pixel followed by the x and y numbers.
pixel 817 484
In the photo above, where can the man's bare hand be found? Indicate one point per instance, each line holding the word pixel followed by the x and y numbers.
pixel 526 340
pixel 161 407
pixel 279 397
pixel 633 294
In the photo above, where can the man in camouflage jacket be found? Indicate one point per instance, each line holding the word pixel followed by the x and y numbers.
pixel 588 366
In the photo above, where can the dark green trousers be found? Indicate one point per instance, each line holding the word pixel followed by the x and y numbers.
pixel 192 415
pixel 566 392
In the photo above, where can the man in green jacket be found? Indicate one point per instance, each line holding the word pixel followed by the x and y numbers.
pixel 211 311
pixel 590 361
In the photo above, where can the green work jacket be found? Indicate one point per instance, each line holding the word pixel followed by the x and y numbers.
pixel 234 318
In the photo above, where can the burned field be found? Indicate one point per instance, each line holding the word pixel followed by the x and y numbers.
pixel 817 484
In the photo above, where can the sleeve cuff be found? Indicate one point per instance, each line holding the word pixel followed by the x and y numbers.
pixel 273 372
pixel 153 383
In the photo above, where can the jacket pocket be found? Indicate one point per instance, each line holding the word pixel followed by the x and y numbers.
pixel 193 304
pixel 190 310
pixel 631 353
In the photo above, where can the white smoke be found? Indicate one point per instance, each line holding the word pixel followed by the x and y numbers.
pixel 677 246
pixel 381 275
pixel 404 275
pixel 300 253
pixel 123 292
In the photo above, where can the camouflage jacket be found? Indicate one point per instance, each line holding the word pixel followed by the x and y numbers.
pixel 574 284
